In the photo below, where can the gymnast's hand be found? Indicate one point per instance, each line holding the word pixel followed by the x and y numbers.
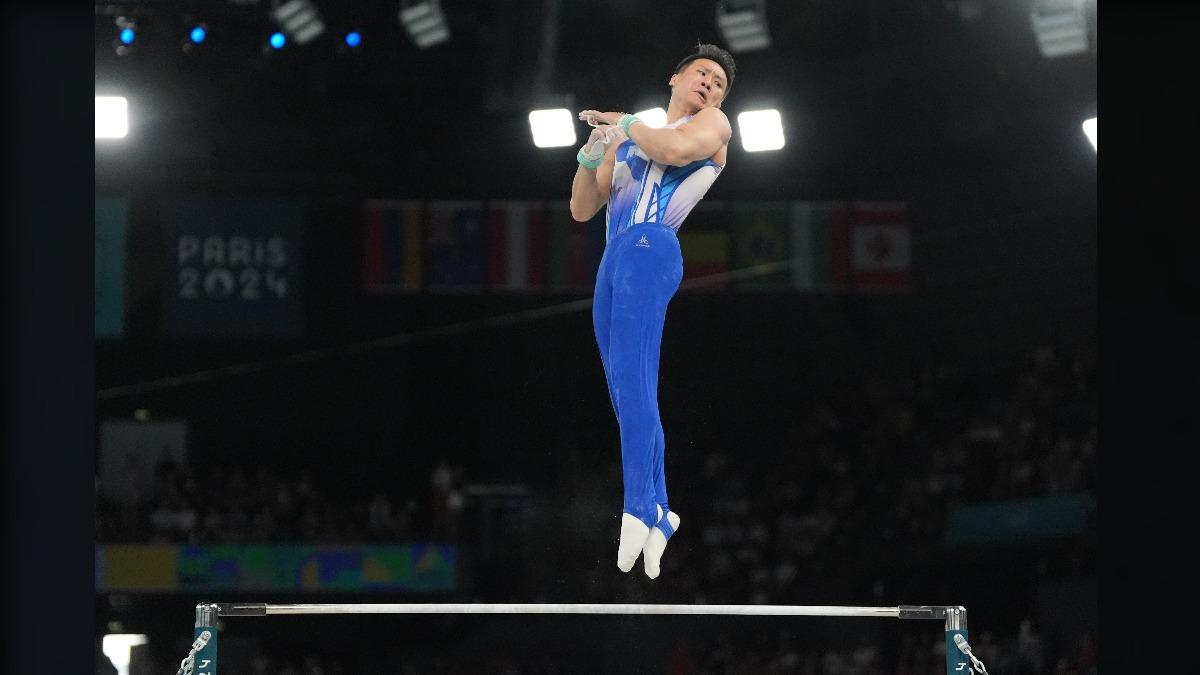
pixel 595 117
pixel 592 152
pixel 598 141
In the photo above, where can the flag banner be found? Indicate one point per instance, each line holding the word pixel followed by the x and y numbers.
pixel 535 246
pixel 511 225
pixel 819 246
pixel 704 240
pixel 174 568
pixel 112 222
pixel 558 237
pixel 455 237
pixel 392 245
pixel 761 232
pixel 880 238
pixel 573 249
pixel 232 267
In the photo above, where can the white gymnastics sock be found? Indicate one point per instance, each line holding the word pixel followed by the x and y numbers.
pixel 656 543
pixel 633 538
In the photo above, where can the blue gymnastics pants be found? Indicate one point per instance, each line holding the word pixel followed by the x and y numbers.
pixel 639 274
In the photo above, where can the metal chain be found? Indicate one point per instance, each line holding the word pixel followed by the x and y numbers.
pixel 965 648
pixel 189 662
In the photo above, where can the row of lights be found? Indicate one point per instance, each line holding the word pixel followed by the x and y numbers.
pixel 127 35
pixel 300 21
pixel 760 130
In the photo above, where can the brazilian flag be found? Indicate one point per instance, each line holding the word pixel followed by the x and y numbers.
pixel 761 234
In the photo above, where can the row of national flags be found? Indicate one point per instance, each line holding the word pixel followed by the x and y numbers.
pixel 520 246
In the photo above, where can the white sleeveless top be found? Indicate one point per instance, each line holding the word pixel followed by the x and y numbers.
pixel 646 191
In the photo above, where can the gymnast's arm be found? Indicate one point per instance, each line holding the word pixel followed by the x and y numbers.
pixel 700 138
pixel 589 191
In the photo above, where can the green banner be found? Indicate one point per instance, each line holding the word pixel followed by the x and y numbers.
pixel 112 215
pixel 171 568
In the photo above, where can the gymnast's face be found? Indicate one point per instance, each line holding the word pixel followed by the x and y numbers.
pixel 701 84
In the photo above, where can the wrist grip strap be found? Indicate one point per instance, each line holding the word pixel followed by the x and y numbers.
pixel 585 162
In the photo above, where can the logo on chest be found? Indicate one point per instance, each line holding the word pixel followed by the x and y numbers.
pixel 643 242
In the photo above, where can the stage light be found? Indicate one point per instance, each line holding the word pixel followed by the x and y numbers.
pixel 760 130
pixel 743 24
pixel 117 648
pixel 1089 128
pixel 278 40
pixel 127 35
pixel 353 39
pixel 198 35
pixel 1060 27
pixel 112 117
pixel 425 22
pixel 552 128
pixel 300 19
pixel 653 118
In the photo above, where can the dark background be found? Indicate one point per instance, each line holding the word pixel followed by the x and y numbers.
pixel 965 121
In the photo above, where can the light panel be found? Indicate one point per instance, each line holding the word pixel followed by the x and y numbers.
pixel 552 128
pixel 1060 27
pixel 425 22
pixel 112 117
pixel 761 130
pixel 1089 128
pixel 116 646
pixel 654 117
pixel 300 19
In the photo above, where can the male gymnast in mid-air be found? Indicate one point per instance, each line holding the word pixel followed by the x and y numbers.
pixel 650 179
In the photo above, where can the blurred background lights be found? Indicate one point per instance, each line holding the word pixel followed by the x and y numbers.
pixel 653 118
pixel 552 128
pixel 117 648
pixel 1089 128
pixel 278 40
pixel 112 119
pixel 198 34
pixel 353 38
pixel 760 130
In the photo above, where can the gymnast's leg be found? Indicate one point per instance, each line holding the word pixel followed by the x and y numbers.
pixel 645 274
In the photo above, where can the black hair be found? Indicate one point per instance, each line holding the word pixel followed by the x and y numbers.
pixel 713 53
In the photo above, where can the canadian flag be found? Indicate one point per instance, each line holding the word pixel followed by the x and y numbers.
pixel 880 257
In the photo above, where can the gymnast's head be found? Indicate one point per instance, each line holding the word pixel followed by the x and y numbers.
pixel 703 78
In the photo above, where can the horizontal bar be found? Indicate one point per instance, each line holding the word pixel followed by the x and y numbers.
pixel 262 609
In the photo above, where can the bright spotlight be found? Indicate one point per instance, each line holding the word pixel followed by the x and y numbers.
pixel 653 118
pixel 198 35
pixel 112 119
pixel 278 40
pixel 353 38
pixel 1089 128
pixel 760 130
pixel 116 646
pixel 552 128
pixel 127 34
